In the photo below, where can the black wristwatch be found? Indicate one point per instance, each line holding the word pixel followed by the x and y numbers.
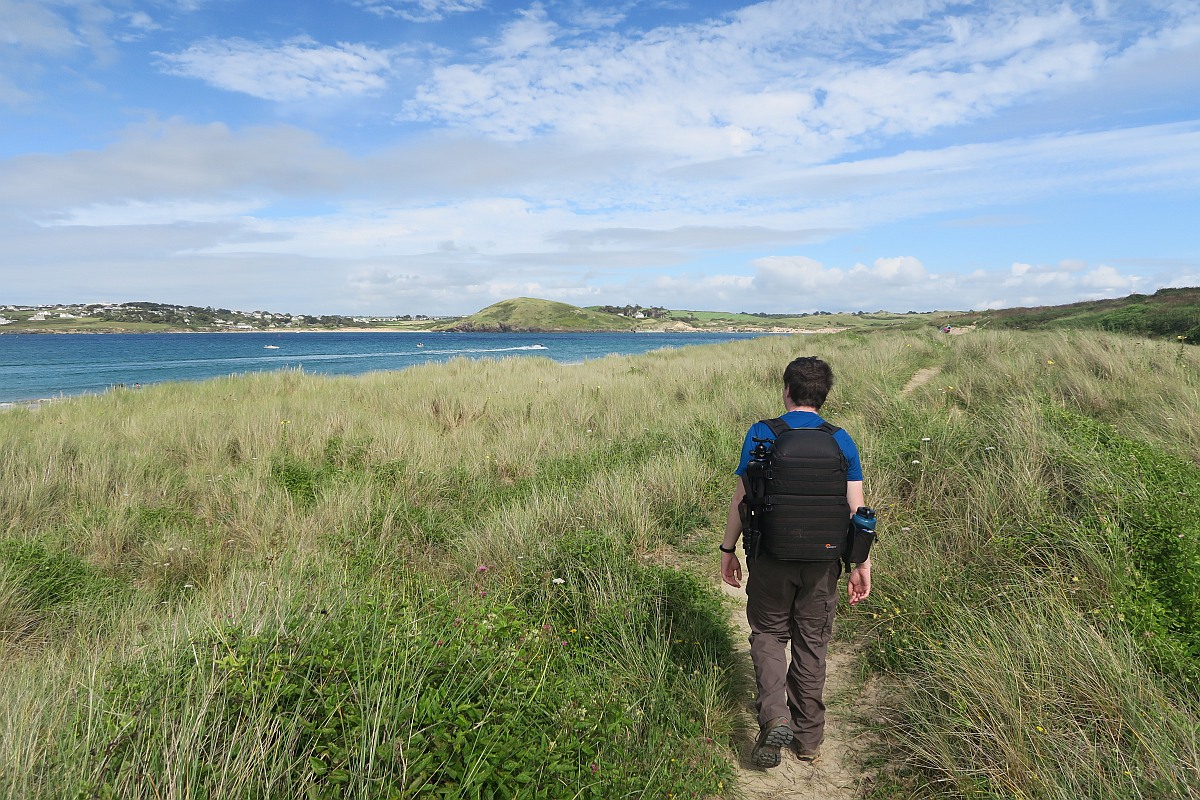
pixel 721 547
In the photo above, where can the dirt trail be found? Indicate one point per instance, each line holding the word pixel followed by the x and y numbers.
pixel 835 775
pixel 924 376
pixel 919 378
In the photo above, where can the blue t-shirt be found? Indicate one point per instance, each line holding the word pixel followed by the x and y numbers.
pixel 801 419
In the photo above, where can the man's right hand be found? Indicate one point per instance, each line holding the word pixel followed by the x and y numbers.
pixel 731 569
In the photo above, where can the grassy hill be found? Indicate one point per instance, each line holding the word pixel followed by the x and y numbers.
pixel 530 314
pixel 725 320
pixel 1168 313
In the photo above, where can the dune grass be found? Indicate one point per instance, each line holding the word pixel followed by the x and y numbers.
pixel 493 579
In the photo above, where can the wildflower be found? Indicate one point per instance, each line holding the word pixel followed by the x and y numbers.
pixel 285 422
pixel 1040 729
pixel 916 461
pixel 558 581
pixel 482 568
pixel 925 439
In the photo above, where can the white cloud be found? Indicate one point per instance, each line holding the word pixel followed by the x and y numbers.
pixel 902 283
pixel 420 10
pixel 158 212
pixel 171 161
pixel 35 27
pixel 531 31
pixel 902 270
pixel 296 70
pixel 578 156
pixel 760 80
pixel 140 24
pixel 794 277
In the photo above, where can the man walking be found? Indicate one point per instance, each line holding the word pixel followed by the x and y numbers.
pixel 789 600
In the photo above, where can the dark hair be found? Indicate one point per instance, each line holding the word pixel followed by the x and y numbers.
pixel 808 380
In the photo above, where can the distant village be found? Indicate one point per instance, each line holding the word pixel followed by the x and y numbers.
pixel 190 317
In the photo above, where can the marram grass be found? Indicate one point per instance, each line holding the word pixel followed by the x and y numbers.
pixel 448 581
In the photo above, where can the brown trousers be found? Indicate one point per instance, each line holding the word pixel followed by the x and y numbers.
pixel 791 601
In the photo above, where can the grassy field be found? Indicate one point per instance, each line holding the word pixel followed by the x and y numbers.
pixel 494 579
pixel 1166 314
pixel 720 320
pixel 21 324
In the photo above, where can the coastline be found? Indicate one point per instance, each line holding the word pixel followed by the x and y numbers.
pixel 43 368
pixel 290 331
pixel 31 405
pixel 77 332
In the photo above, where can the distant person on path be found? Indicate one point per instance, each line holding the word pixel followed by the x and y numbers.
pixel 794 600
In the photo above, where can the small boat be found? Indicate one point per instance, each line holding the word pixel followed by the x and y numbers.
pixel 420 344
pixel 270 347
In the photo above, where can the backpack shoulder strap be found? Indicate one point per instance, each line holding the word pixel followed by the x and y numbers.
pixel 777 425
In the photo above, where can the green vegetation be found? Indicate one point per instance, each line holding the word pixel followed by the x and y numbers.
pixel 530 314
pixel 819 320
pixel 1169 313
pixel 1166 314
pixel 495 578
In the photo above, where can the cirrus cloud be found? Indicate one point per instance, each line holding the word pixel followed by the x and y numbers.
pixel 297 70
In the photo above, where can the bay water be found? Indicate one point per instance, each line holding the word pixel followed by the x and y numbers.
pixel 42 366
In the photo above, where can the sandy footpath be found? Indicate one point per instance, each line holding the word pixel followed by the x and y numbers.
pixel 835 775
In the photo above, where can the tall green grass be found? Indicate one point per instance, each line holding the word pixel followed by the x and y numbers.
pixel 452 581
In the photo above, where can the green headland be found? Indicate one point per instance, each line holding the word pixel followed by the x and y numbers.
pixel 1167 313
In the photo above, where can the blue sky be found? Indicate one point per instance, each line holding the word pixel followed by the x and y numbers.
pixel 436 156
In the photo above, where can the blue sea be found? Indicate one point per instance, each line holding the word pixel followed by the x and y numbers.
pixel 39 366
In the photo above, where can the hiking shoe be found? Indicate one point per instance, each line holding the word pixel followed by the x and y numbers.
pixel 806 755
pixel 775 734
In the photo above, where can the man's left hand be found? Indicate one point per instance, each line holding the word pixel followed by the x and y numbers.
pixel 859 586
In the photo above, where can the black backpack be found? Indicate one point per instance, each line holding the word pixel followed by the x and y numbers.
pixel 795 508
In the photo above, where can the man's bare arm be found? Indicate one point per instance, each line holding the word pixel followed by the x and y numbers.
pixel 858 588
pixel 731 566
